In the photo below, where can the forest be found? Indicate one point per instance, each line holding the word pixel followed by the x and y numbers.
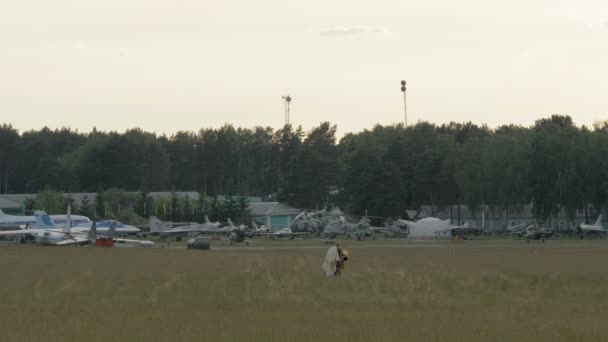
pixel 554 164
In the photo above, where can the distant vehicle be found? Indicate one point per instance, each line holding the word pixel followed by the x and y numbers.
pixel 30 221
pixel 198 243
pixel 596 228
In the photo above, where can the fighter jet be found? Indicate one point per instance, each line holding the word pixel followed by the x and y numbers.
pixel 430 228
pixel 392 229
pixel 283 233
pixel 238 235
pixel 104 226
pixel 157 227
pixel 597 228
pixel 536 232
pixel 111 234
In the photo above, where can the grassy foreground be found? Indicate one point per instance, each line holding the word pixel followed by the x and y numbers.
pixel 474 291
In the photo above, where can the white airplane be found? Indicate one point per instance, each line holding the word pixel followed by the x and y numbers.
pixel 104 226
pixel 47 233
pixel 120 242
pixel 283 233
pixel 259 230
pixel 596 228
pixel 30 221
pixel 429 228
pixel 156 226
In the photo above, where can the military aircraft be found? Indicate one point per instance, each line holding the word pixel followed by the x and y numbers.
pixel 516 229
pixel 392 229
pixel 104 226
pixel 238 235
pixel 430 227
pixel 47 233
pixel 596 228
pixel 536 232
pixel 30 221
pixel 259 230
pixel 157 227
pixel 111 234
pixel 283 233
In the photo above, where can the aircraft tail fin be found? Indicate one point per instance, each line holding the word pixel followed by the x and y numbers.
pixel 112 230
pixel 207 219
pixel 92 236
pixel 2 213
pixel 230 222
pixel 156 226
pixel 43 220
pixel 255 226
pixel 599 220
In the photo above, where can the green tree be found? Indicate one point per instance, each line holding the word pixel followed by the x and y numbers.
pixel 50 201
pixel 187 209
pixel 143 205
pixel 175 211
pixel 245 215
pixel 86 208
pixel 100 205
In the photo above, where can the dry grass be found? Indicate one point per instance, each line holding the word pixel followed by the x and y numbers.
pixel 469 292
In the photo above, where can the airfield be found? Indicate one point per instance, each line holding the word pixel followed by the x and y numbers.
pixel 391 290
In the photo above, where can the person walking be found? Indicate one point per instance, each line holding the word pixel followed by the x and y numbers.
pixel 334 260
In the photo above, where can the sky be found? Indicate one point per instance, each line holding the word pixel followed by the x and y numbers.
pixel 172 65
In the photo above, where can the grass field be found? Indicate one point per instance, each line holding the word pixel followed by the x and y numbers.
pixel 427 291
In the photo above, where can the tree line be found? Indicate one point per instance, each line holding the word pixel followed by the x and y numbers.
pixel 137 207
pixel 553 164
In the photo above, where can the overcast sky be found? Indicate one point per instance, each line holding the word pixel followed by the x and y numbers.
pixel 170 65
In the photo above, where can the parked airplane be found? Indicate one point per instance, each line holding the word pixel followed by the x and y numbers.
pixel 259 229
pixel 283 233
pixel 47 233
pixel 430 227
pixel 157 227
pixel 535 232
pixel 238 235
pixel 595 228
pixel 111 234
pixel 104 226
pixel 30 221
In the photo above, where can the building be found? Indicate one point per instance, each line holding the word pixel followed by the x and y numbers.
pixel 496 219
pixel 12 207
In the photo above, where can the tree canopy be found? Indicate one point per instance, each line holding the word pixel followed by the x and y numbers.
pixel 553 164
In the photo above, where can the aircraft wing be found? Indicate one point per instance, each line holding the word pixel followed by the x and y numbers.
pixel 594 229
pixel 283 234
pixel 133 242
pixel 25 231
pixel 391 230
pixel 72 241
pixel 196 230
pixel 16 232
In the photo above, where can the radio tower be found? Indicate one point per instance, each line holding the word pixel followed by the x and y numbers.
pixel 404 101
pixel 287 100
